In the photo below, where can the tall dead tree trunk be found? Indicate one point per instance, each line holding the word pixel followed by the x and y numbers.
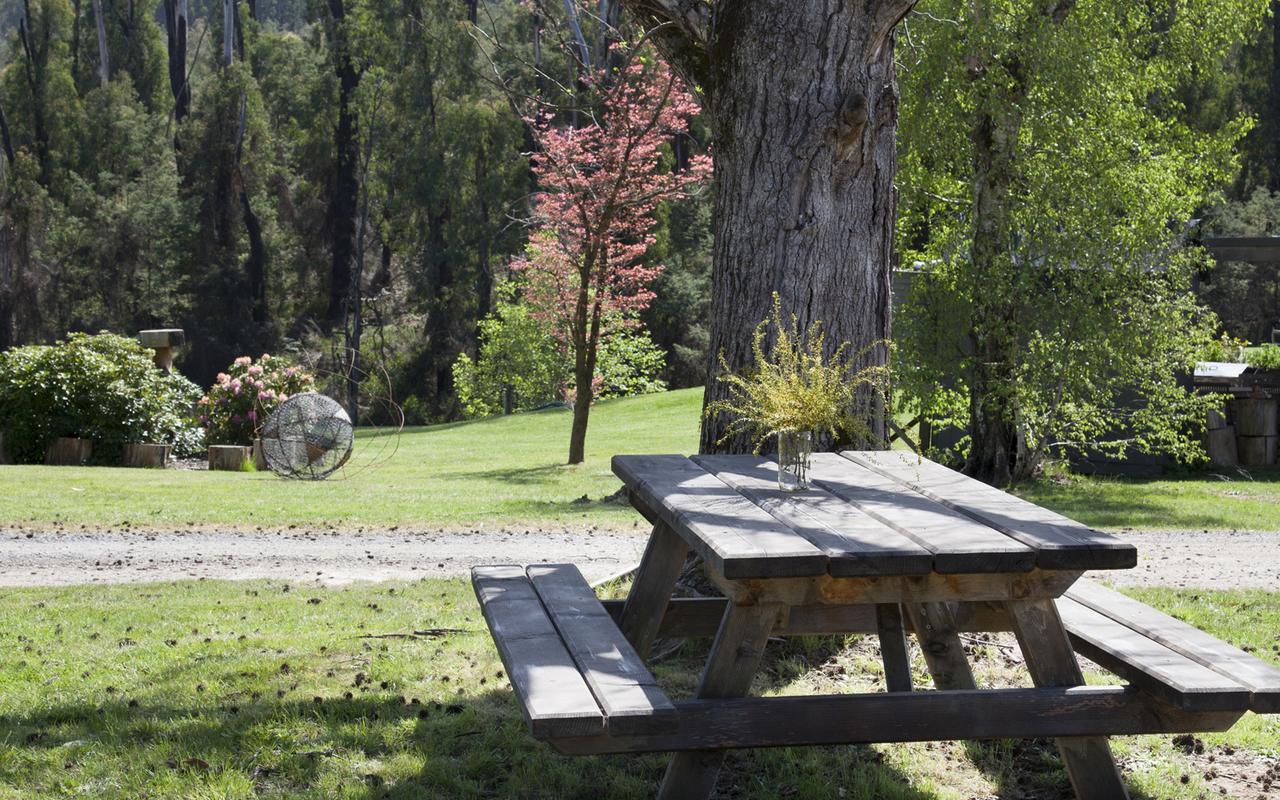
pixel 344 200
pixel 104 59
pixel 804 109
pixel 176 20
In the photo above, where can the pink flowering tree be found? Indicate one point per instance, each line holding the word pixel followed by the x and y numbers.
pixel 586 265
pixel 245 395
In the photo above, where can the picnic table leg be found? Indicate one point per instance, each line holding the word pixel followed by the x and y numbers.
pixel 935 627
pixel 650 593
pixel 893 647
pixel 1052 662
pixel 735 655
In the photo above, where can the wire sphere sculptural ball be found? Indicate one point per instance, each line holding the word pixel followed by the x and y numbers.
pixel 309 436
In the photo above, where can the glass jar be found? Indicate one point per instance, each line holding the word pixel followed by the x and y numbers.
pixel 794 450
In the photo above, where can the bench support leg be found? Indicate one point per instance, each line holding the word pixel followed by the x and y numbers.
pixel 650 593
pixel 735 655
pixel 1052 662
pixel 935 627
pixel 893 647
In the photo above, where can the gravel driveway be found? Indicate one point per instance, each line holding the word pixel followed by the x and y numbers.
pixel 43 557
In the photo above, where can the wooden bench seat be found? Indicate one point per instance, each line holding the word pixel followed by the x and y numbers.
pixel 1172 660
pixel 572 671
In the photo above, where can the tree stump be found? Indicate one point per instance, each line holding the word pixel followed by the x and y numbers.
pixel 164 341
pixel 138 454
pixel 68 451
pixel 1220 444
pixel 230 457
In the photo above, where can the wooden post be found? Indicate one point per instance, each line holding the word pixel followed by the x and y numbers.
pixel 164 341
pixel 936 628
pixel 259 456
pixel 68 451
pixel 230 457
pixel 136 454
pixel 1052 663
pixel 650 593
pixel 735 655
pixel 893 647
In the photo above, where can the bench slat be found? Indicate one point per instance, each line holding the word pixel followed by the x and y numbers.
pixel 552 693
pixel 622 684
pixel 1060 543
pixel 1147 664
pixel 958 543
pixel 1262 679
pixel 736 537
pixel 855 543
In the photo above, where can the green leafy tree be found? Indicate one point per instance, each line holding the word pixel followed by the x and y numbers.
pixel 1048 174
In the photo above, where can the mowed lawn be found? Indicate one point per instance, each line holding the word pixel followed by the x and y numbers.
pixel 268 690
pixel 498 471
pixel 510 471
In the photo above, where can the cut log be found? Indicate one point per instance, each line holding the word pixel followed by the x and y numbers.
pixel 68 451
pixel 1255 416
pixel 229 456
pixel 1256 451
pixel 1220 444
pixel 138 454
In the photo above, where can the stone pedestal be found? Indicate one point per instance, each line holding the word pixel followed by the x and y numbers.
pixel 164 341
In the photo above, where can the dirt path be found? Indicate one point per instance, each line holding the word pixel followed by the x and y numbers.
pixel 31 557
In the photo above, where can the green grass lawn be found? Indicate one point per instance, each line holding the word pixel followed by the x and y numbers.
pixel 510 471
pixel 266 690
pixel 502 470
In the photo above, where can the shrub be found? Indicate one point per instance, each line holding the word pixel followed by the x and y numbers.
pixel 629 363
pixel 1265 357
pixel 516 350
pixel 105 388
pixel 246 394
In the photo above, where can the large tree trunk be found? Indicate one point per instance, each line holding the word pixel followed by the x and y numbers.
pixel 104 60
pixel 344 201
pixel 36 54
pixel 175 18
pixel 804 109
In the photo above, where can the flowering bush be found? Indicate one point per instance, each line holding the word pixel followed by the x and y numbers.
pixel 246 394
pixel 104 387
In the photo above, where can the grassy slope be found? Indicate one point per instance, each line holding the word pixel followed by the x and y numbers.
pixel 503 470
pixel 207 689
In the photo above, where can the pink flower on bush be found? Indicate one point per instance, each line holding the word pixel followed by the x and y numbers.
pixel 246 394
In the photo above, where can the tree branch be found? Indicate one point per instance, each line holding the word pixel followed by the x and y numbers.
pixel 682 31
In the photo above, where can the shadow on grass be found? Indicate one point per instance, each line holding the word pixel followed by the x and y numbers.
pixel 476 746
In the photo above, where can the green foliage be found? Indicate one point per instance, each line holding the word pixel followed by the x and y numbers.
pixel 794 386
pixel 628 364
pixel 105 388
pixel 1265 357
pixel 242 398
pixel 515 350
pixel 1047 175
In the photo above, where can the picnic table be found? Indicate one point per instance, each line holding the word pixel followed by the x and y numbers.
pixel 885 544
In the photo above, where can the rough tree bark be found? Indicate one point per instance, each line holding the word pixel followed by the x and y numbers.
pixel 996 454
pixel 344 201
pixel 176 19
pixel 104 60
pixel 804 108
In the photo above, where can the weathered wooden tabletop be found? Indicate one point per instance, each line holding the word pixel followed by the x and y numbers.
pixel 868 513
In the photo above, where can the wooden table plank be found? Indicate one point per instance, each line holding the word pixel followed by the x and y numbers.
pixel 618 677
pixel 855 543
pixel 1150 665
pixel 1262 679
pixel 736 538
pixel 959 544
pixel 1060 543
pixel 553 696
